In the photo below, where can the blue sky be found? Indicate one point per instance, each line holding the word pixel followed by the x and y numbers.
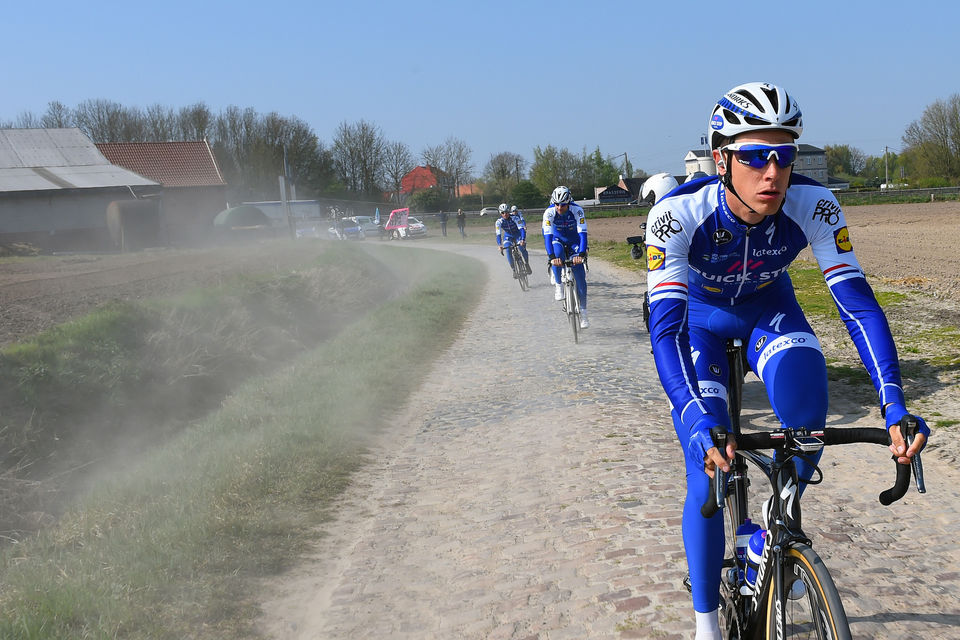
pixel 630 77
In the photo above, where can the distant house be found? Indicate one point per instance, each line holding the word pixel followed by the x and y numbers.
pixel 699 160
pixel 812 162
pixel 194 190
pixel 633 185
pixel 611 194
pixel 56 187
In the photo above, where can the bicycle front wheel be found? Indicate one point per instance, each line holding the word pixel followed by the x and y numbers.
pixel 573 311
pixel 815 611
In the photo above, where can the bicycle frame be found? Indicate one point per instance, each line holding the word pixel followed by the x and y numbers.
pixel 756 608
pixel 571 300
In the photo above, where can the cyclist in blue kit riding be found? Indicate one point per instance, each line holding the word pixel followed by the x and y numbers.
pixel 718 249
pixel 565 235
pixel 509 233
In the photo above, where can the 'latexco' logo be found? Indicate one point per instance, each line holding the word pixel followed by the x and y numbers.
pixel 827 211
pixel 665 226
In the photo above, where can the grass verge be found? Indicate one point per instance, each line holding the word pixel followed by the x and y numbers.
pixel 173 547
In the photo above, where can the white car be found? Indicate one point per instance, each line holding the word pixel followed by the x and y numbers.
pixel 489 211
pixel 415 227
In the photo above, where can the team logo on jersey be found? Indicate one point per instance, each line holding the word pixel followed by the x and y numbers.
pixel 714 369
pixel 827 211
pixel 762 341
pixel 712 289
pixel 665 226
pixel 722 236
pixel 842 237
pixel 583 221
pixel 655 257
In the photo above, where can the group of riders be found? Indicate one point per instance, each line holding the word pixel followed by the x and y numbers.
pixel 564 238
pixel 717 251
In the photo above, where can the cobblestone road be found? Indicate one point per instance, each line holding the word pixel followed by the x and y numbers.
pixel 533 487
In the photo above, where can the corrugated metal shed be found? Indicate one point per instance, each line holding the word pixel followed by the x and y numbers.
pixel 54 159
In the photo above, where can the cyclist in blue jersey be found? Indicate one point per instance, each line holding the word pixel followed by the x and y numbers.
pixel 565 235
pixel 509 234
pixel 718 249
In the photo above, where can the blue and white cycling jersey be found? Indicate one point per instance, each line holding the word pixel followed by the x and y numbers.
pixel 508 232
pixel 698 251
pixel 518 219
pixel 569 229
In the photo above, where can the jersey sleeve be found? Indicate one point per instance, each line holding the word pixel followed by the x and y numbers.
pixel 865 320
pixel 499 231
pixel 581 230
pixel 549 229
pixel 668 241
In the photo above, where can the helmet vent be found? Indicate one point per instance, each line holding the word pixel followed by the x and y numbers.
pixel 731 117
pixel 774 99
pixel 748 96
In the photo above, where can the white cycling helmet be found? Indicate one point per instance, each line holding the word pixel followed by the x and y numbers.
pixel 513 209
pixel 755 106
pixel 503 208
pixel 657 186
pixel 561 195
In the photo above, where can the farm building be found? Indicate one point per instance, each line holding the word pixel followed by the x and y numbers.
pixel 194 191
pixel 56 187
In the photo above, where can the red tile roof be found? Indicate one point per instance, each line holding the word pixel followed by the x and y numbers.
pixel 172 164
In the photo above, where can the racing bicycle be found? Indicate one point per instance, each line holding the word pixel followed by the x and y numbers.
pixel 519 267
pixel 793 595
pixel 571 299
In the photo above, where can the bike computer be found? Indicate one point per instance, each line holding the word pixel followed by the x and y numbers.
pixel 809 444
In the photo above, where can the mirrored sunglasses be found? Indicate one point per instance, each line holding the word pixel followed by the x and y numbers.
pixel 758 155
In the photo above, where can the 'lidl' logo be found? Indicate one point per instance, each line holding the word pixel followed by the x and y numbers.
pixel 655 257
pixel 842 237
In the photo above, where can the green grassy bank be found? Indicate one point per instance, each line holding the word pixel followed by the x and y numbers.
pixel 173 546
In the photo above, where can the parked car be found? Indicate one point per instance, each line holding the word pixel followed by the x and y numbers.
pixel 370 228
pixel 415 227
pixel 489 211
pixel 349 230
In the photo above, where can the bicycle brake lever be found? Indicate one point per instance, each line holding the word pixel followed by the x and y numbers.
pixel 909 427
pixel 719 436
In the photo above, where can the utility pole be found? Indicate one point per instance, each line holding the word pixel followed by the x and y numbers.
pixel 886 170
pixel 518 169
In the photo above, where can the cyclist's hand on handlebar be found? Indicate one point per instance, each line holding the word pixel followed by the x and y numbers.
pixel 501 250
pixel 557 262
pixel 521 242
pixel 894 414
pixel 702 449
pixel 577 259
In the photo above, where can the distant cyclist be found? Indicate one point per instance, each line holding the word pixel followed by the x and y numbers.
pixel 509 234
pixel 718 249
pixel 565 236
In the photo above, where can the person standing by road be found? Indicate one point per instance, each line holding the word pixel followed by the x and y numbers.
pixel 718 249
pixel 565 235
pixel 462 223
pixel 443 222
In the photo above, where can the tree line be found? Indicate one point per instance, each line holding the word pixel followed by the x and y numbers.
pixel 930 155
pixel 361 163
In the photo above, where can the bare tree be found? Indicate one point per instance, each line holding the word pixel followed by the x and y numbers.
pixel 452 159
pixel 100 120
pixel 358 154
pixel 57 116
pixel 28 120
pixel 160 123
pixel 398 161
pixel 195 122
